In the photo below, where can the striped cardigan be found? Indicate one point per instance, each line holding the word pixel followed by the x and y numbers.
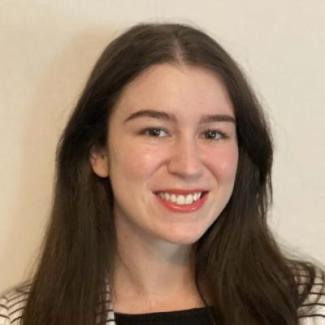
pixel 12 305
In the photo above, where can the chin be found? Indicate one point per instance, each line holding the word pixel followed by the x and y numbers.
pixel 184 238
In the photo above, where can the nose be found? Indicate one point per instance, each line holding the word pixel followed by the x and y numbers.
pixel 185 159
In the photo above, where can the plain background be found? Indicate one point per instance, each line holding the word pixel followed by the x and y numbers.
pixel 49 47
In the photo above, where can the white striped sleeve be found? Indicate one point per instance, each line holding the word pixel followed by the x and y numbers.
pixel 4 311
pixel 312 311
pixel 12 305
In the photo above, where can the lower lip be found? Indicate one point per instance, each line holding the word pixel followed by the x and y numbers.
pixel 183 208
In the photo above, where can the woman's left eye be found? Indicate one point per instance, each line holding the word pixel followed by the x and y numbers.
pixel 214 135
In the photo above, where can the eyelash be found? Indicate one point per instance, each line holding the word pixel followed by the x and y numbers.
pixel 221 135
pixel 148 132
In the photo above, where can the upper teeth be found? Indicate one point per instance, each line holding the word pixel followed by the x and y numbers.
pixel 180 199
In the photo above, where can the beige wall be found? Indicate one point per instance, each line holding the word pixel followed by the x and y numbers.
pixel 48 48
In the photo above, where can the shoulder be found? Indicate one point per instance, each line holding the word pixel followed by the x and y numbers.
pixel 311 286
pixel 12 304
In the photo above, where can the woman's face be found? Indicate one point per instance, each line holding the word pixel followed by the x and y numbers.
pixel 171 154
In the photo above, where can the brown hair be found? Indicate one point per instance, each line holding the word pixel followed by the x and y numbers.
pixel 238 264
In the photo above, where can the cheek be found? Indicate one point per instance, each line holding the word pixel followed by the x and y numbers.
pixel 223 162
pixel 134 162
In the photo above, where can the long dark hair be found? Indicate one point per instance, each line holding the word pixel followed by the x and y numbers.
pixel 239 266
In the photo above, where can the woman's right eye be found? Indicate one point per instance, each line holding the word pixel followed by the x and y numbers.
pixel 154 132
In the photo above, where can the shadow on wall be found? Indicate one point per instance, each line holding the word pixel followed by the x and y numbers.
pixel 61 79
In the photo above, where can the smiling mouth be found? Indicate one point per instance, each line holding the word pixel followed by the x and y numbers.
pixel 182 202
pixel 181 199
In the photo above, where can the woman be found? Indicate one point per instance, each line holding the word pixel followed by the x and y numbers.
pixel 163 185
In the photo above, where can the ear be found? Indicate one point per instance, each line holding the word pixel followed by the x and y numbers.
pixel 99 162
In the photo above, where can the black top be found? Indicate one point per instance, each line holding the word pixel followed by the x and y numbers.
pixel 195 316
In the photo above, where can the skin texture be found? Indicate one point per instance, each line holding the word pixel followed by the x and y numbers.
pixel 178 154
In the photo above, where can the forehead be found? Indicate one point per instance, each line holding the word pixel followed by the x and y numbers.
pixel 180 89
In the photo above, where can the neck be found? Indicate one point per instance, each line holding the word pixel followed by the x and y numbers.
pixel 153 276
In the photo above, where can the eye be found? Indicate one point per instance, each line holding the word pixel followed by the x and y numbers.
pixel 154 132
pixel 214 135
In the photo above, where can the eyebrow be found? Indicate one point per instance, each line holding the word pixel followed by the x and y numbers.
pixel 160 115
